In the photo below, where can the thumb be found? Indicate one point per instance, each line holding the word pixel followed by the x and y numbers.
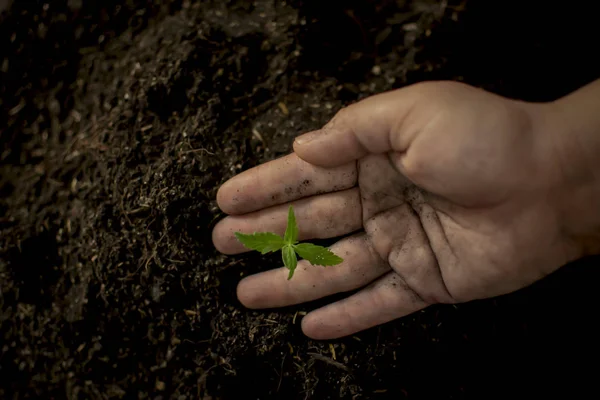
pixel 371 126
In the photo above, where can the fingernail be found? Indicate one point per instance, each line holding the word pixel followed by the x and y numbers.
pixel 307 137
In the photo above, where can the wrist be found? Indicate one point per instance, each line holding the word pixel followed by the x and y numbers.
pixel 569 132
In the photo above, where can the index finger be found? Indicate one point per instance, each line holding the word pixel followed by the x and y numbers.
pixel 280 181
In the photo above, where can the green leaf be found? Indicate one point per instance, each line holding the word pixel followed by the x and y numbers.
pixel 264 242
pixel 317 255
pixel 289 259
pixel 291 232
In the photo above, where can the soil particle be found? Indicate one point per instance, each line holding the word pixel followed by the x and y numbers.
pixel 119 120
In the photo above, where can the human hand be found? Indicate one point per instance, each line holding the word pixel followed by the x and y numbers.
pixel 447 189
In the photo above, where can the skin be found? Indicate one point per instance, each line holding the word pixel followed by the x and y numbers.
pixel 449 194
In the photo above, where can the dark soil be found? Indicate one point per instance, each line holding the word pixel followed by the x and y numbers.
pixel 118 123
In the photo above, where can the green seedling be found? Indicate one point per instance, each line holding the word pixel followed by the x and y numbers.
pixel 267 242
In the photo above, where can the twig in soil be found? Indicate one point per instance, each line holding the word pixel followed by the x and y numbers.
pixel 137 210
pixel 121 203
pixel 332 349
pixel 200 150
pixel 201 382
pixel 283 108
pixel 306 380
pixel 303 313
pixel 257 135
pixel 181 283
pixel 329 360
pixel 281 373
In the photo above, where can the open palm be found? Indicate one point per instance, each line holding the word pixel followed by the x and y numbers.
pixel 443 188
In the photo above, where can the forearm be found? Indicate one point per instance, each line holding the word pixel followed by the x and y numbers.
pixel 573 125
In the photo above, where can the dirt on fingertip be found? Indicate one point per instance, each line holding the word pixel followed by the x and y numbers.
pixel 119 121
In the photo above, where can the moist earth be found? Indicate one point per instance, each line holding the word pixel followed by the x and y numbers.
pixel 120 119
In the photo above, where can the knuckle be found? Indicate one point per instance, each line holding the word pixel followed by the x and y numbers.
pixel 341 117
pixel 415 167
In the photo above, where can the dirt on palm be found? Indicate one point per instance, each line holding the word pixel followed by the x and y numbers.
pixel 119 122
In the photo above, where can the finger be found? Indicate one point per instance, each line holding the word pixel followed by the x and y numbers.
pixel 366 127
pixel 385 300
pixel 280 181
pixel 271 288
pixel 318 217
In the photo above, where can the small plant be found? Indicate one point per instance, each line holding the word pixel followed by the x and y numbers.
pixel 267 242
